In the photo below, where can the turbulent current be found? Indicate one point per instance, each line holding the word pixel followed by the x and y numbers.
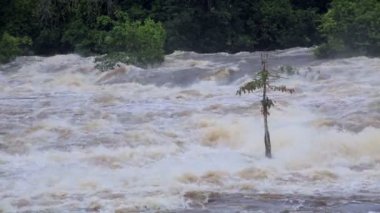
pixel 176 137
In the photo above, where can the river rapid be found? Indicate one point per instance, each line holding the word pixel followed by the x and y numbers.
pixel 177 138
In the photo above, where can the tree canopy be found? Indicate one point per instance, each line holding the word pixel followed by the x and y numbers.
pixel 351 27
pixel 144 30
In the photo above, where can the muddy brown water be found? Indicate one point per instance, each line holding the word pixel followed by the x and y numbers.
pixel 176 138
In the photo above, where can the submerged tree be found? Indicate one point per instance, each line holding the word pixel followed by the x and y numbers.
pixel 262 81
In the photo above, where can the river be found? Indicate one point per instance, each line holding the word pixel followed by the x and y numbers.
pixel 176 138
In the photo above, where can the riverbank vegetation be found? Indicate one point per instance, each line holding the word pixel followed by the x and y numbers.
pixel 141 32
pixel 351 27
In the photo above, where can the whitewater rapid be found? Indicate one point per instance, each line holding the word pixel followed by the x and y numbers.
pixel 163 138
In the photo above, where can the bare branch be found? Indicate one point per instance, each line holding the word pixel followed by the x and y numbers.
pixel 282 89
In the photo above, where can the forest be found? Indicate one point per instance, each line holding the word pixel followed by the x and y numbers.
pixel 142 31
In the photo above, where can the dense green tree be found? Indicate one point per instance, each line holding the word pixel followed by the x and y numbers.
pixel 60 20
pixel 228 25
pixel 351 27
pixel 11 46
pixel 18 18
pixel 135 42
pixel 281 26
pixel 86 27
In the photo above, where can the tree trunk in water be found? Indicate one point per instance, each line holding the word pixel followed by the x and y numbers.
pixel 268 151
pixel 265 103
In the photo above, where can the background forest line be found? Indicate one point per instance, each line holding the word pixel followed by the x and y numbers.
pixel 142 31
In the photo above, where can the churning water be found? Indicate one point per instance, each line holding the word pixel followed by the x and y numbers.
pixel 176 136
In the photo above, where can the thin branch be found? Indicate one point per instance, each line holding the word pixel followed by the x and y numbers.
pixel 282 88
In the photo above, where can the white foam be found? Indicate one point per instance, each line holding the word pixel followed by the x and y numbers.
pixel 70 143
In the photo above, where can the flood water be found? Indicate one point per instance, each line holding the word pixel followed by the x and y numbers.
pixel 176 138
